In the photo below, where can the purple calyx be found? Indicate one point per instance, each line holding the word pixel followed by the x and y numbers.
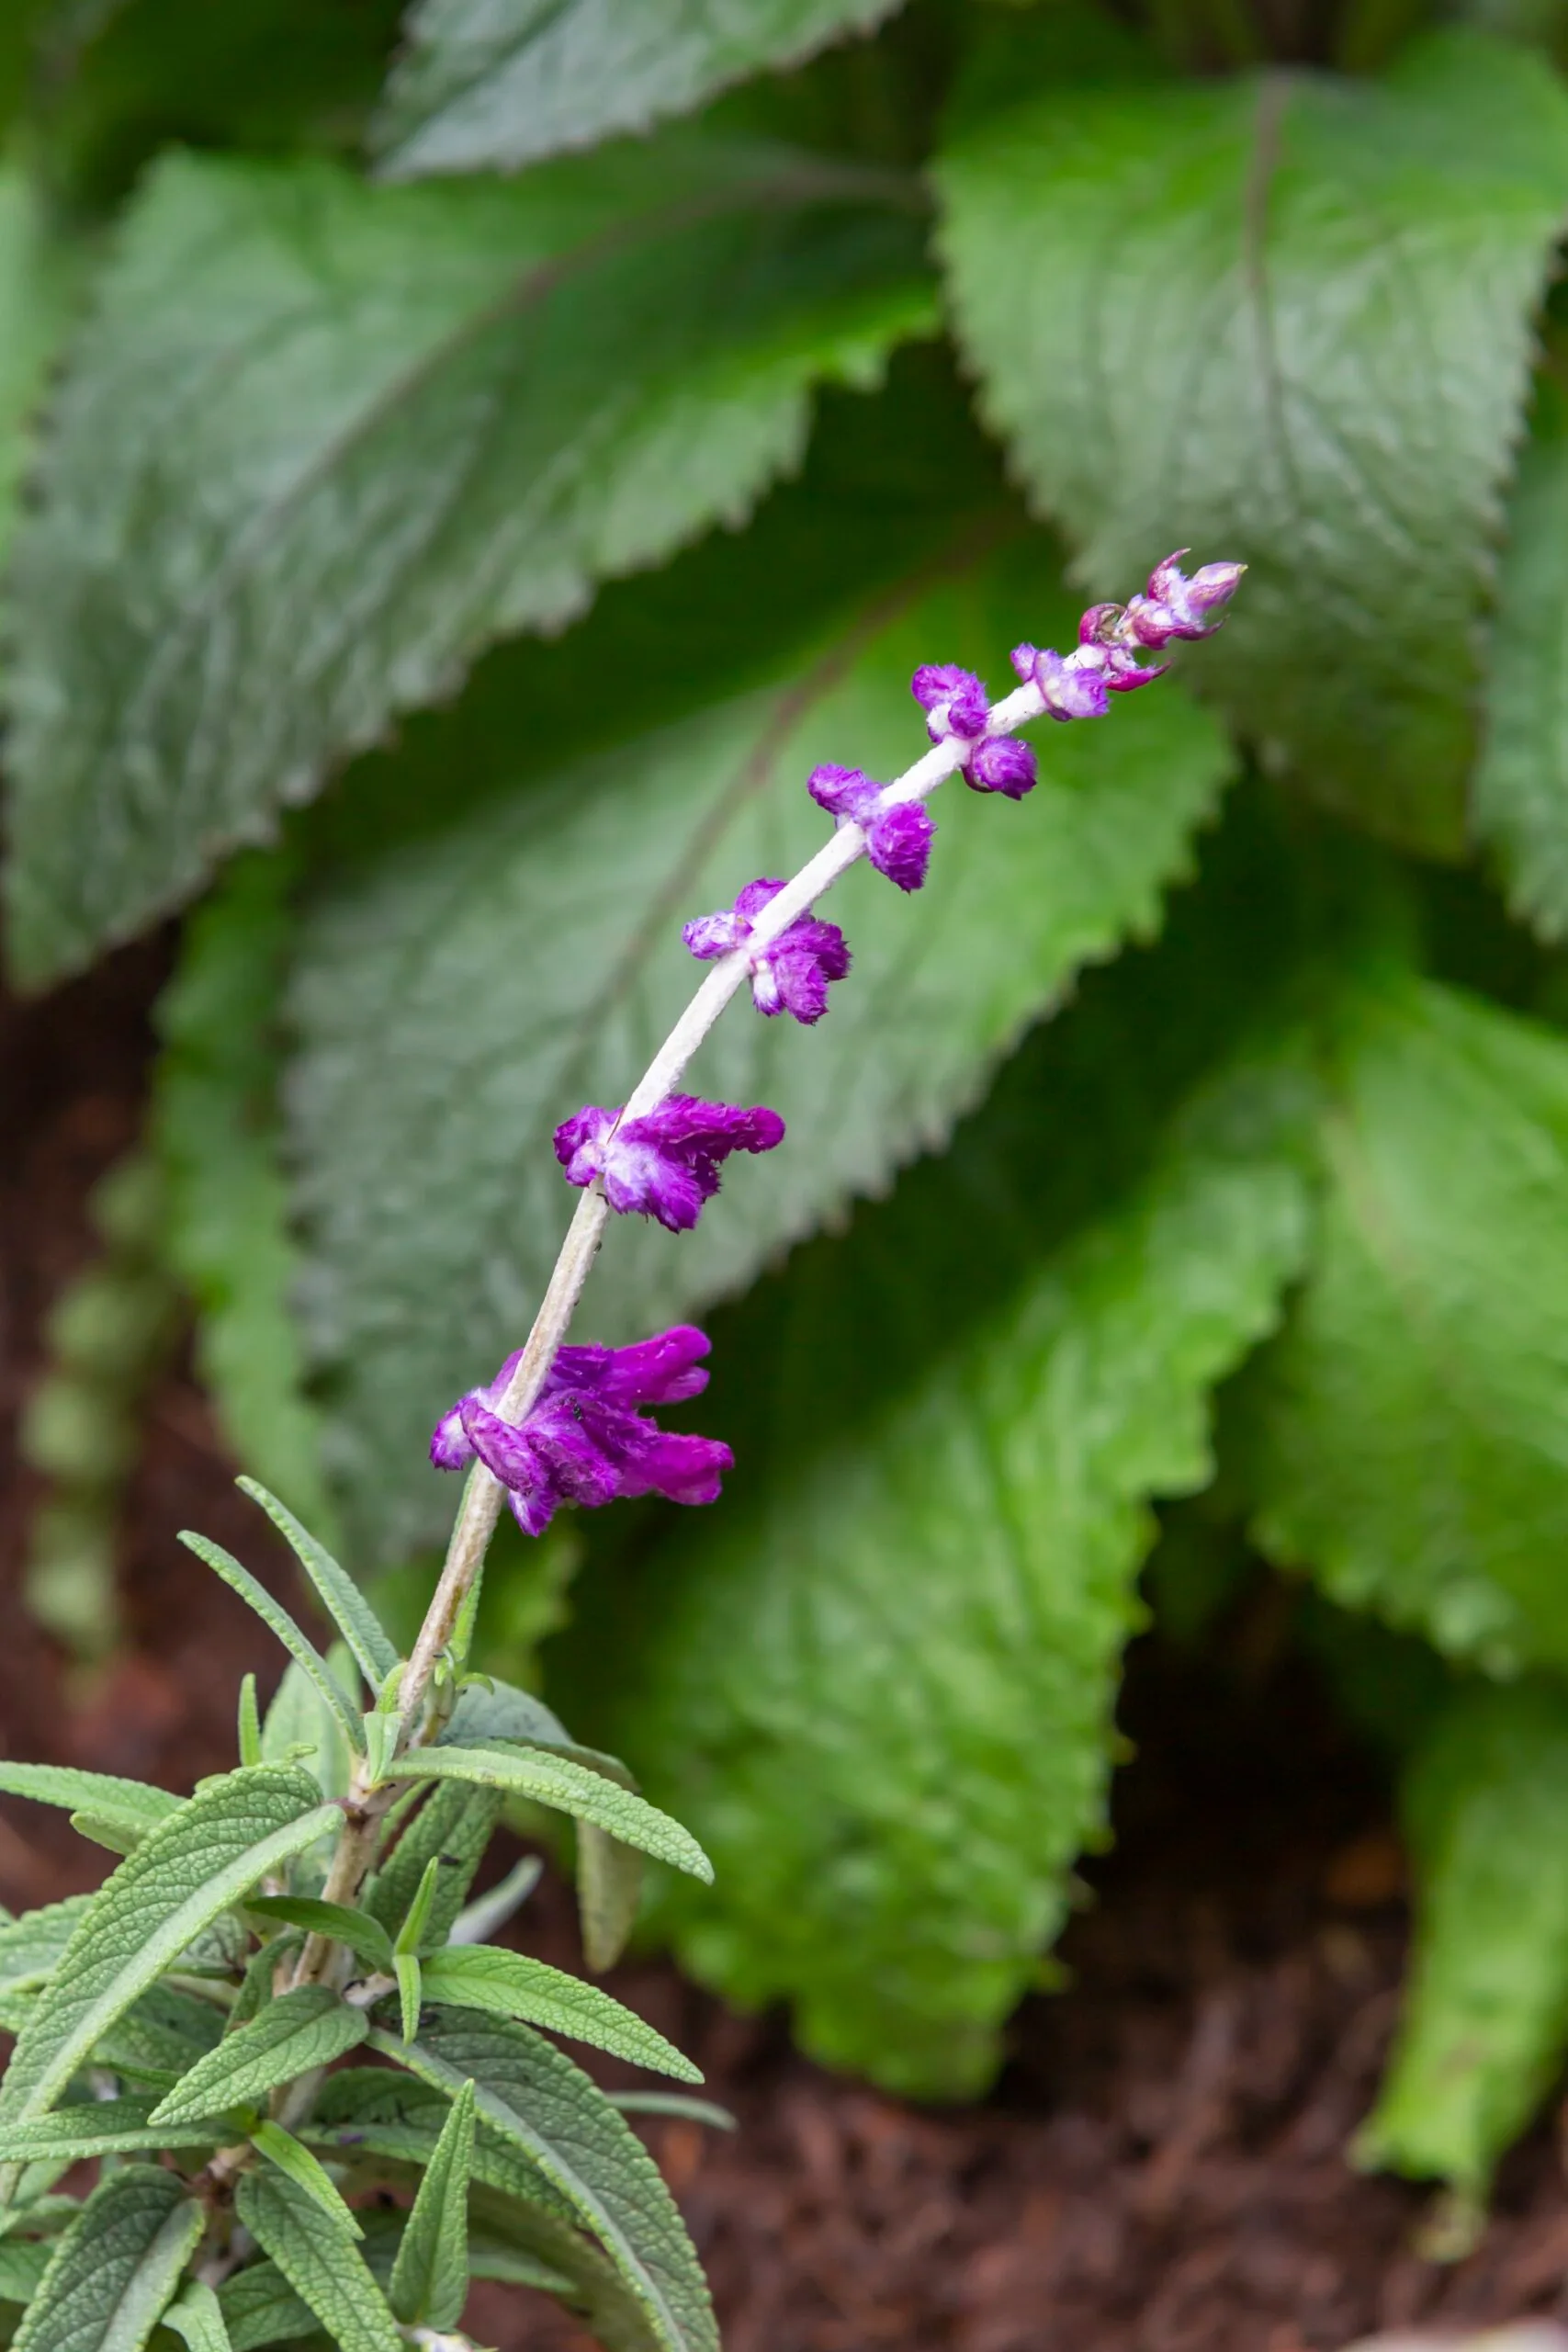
pixel 585 1439
pixel 897 838
pixel 955 701
pixel 1176 606
pixel 791 974
pixel 664 1164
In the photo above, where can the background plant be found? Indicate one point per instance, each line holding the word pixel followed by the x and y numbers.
pixel 463 487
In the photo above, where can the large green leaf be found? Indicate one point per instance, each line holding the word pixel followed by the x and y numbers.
pixel 409 420
pixel 115 2267
pixel 533 953
pixel 295 2033
pixel 499 83
pixel 1407 1437
pixel 99 2127
pixel 323 2267
pixel 1521 782
pixel 30 1947
pixel 1485 2019
pixel 430 2278
pixel 186 1871
pixel 549 2108
pixel 40 278
pixel 1286 319
pixel 881 1679
pixel 214 1122
pixel 133 1805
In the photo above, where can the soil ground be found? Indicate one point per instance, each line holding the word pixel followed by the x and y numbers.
pixel 1162 2166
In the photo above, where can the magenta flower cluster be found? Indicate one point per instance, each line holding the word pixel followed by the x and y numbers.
pixel 587 1439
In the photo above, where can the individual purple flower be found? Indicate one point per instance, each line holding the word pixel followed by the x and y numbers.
pixel 955 701
pixel 1175 606
pixel 1001 764
pixel 897 838
pixel 791 974
pixel 584 1439
pixel 1073 687
pixel 664 1164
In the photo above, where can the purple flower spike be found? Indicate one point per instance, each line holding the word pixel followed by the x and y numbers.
pixel 897 838
pixel 1001 764
pixel 1073 688
pixel 955 701
pixel 584 1441
pixel 666 1163
pixel 1102 645
pixel 792 973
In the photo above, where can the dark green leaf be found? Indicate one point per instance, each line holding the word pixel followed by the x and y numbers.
pixel 159 2036
pixel 365 1937
pixel 491 1710
pixel 1404 1438
pixel 298 2032
pixel 214 1127
pixel 115 2267
pixel 512 1984
pixel 191 1867
pixel 1521 782
pixel 430 2278
pixel 486 86
pixel 883 1677
pixel 276 1619
pixel 549 1778
pixel 456 1824
pixel 197 2320
pixel 259 2307
pixel 374 2113
pixel 325 2269
pixel 1332 282
pixel 564 2123
pixel 40 276
pixel 1485 2019
pixel 410 420
pixel 433 1198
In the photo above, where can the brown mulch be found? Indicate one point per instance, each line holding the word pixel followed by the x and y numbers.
pixel 1161 2168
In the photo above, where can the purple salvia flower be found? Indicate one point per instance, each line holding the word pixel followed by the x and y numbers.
pixel 1001 764
pixel 664 1164
pixel 791 974
pixel 1103 644
pixel 584 1441
pixel 897 838
pixel 1070 688
pixel 1175 606
pixel 955 701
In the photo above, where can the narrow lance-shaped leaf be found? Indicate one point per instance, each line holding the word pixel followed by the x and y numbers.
pixel 30 1947
pixel 488 86
pixel 115 2267
pixel 325 2270
pixel 430 1194
pixel 335 1588
pixel 1404 1438
pixel 453 1825
pixel 197 2320
pixel 365 1937
pixel 299 2030
pixel 430 2278
pixel 190 1868
pixel 1333 282
pixel 563 2121
pixel 514 1985
pixel 276 1619
pixel 553 1779
pixel 102 2127
pixel 609 1889
pixel 99 1796
pixel 1486 2013
pixel 410 420
pixel 304 2172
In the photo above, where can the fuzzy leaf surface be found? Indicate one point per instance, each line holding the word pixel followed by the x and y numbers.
pixel 534 955
pixel 430 2278
pixel 1521 780
pixel 191 1867
pixel 1405 1438
pixel 306 2028
pixel 325 2269
pixel 259 2307
pixel 560 2119
pixel 456 1824
pixel 1486 2013
pixel 40 276
pixel 115 2267
pixel 277 1620
pixel 100 1795
pixel 570 1788
pixel 883 1678
pixel 336 1589
pixel 106 2127
pixel 410 420
pixel 514 1985
pixel 488 86
pixel 1333 282
pixel 197 2320
pixel 30 1947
